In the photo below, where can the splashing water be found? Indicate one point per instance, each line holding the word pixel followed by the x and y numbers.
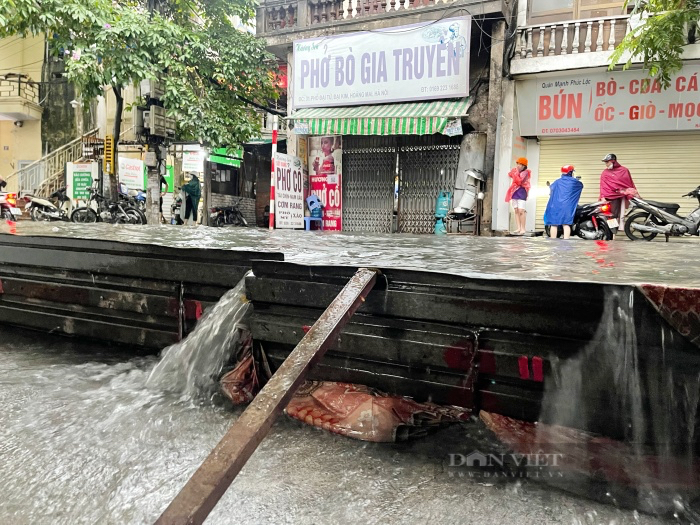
pixel 192 367
pixel 620 388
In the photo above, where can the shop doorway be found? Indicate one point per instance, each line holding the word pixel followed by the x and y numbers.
pixel 374 202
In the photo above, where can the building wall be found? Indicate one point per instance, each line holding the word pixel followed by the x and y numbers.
pixel 246 205
pixel 24 56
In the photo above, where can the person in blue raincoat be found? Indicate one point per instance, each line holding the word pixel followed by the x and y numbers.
pixel 563 198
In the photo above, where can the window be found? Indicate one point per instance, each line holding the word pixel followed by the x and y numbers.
pixel 546 11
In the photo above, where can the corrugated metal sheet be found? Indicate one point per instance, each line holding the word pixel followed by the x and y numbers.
pixel 664 166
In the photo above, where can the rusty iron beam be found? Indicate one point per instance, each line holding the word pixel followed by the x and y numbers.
pixel 204 489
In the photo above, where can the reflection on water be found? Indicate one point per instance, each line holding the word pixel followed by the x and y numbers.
pixel 515 258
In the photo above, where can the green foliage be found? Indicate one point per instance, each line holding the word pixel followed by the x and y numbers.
pixel 660 39
pixel 192 46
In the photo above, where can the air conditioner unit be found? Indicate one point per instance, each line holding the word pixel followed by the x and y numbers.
pixel 152 88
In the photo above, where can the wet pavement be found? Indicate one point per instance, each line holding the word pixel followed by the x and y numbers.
pixel 623 261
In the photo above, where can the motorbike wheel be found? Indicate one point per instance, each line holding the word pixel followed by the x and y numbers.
pixel 83 215
pixel 219 221
pixel 7 215
pixel 643 218
pixel 604 232
pixel 134 216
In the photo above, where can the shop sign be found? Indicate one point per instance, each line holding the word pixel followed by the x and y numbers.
pixel 289 192
pixel 301 128
pixel 133 173
pixel 424 61
pixel 193 159
pixel 325 176
pixel 80 177
pixel 611 102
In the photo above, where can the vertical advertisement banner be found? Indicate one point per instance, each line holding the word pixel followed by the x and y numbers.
pixel 133 173
pixel 303 153
pixel 289 192
pixel 79 177
pixel 325 176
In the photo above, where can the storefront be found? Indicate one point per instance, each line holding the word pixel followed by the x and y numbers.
pixel 579 118
pixel 380 123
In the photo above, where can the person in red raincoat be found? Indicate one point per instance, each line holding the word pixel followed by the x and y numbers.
pixel 616 187
pixel 517 193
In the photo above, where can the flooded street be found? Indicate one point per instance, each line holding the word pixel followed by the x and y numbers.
pixel 83 439
pixel 622 261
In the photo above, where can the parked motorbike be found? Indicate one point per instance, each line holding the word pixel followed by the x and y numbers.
pixel 591 222
pixel 227 215
pixel 56 207
pixel 175 209
pixel 646 219
pixel 8 206
pixel 107 211
pixel 135 199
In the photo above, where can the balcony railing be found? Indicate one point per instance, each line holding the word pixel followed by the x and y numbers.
pixel 18 85
pixel 276 15
pixel 572 37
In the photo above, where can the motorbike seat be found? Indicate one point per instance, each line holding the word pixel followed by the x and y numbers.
pixel 665 205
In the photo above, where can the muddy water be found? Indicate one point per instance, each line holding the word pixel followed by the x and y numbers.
pixel 83 439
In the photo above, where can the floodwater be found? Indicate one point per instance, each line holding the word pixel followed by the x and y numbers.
pixel 622 261
pixel 86 437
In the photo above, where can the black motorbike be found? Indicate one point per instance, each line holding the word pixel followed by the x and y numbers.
pixel 107 211
pixel 591 222
pixel 646 219
pixel 227 215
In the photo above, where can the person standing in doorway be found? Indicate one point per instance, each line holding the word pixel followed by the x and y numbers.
pixel 517 193
pixel 163 181
pixel 193 191
pixel 563 198
pixel 616 187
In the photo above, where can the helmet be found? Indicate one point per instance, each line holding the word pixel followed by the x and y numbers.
pixel 609 157
pixel 567 169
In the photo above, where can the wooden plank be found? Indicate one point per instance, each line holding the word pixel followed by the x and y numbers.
pixel 202 492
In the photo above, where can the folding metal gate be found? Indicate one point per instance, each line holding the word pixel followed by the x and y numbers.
pixel 427 165
pixel 369 170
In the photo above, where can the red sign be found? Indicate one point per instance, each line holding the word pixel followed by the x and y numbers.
pixel 325 178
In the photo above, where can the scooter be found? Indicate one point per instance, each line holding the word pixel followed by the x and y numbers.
pixel 8 206
pixel 591 222
pixel 44 210
pixel 175 209
pixel 646 219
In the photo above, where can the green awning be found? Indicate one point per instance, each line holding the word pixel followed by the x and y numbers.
pixel 415 118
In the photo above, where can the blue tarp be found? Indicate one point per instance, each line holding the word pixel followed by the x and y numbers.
pixel 563 198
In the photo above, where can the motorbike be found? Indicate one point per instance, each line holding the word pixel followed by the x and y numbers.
pixel 135 199
pixel 175 209
pixel 107 211
pixel 225 215
pixel 647 219
pixel 591 222
pixel 8 206
pixel 45 210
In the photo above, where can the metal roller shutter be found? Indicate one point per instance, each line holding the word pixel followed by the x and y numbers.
pixel 664 166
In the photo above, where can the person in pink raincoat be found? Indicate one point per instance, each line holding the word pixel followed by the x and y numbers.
pixel 616 187
pixel 517 193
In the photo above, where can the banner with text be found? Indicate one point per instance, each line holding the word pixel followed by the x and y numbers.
pixel 289 192
pixel 424 61
pixel 133 173
pixel 325 177
pixel 79 177
pixel 612 102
